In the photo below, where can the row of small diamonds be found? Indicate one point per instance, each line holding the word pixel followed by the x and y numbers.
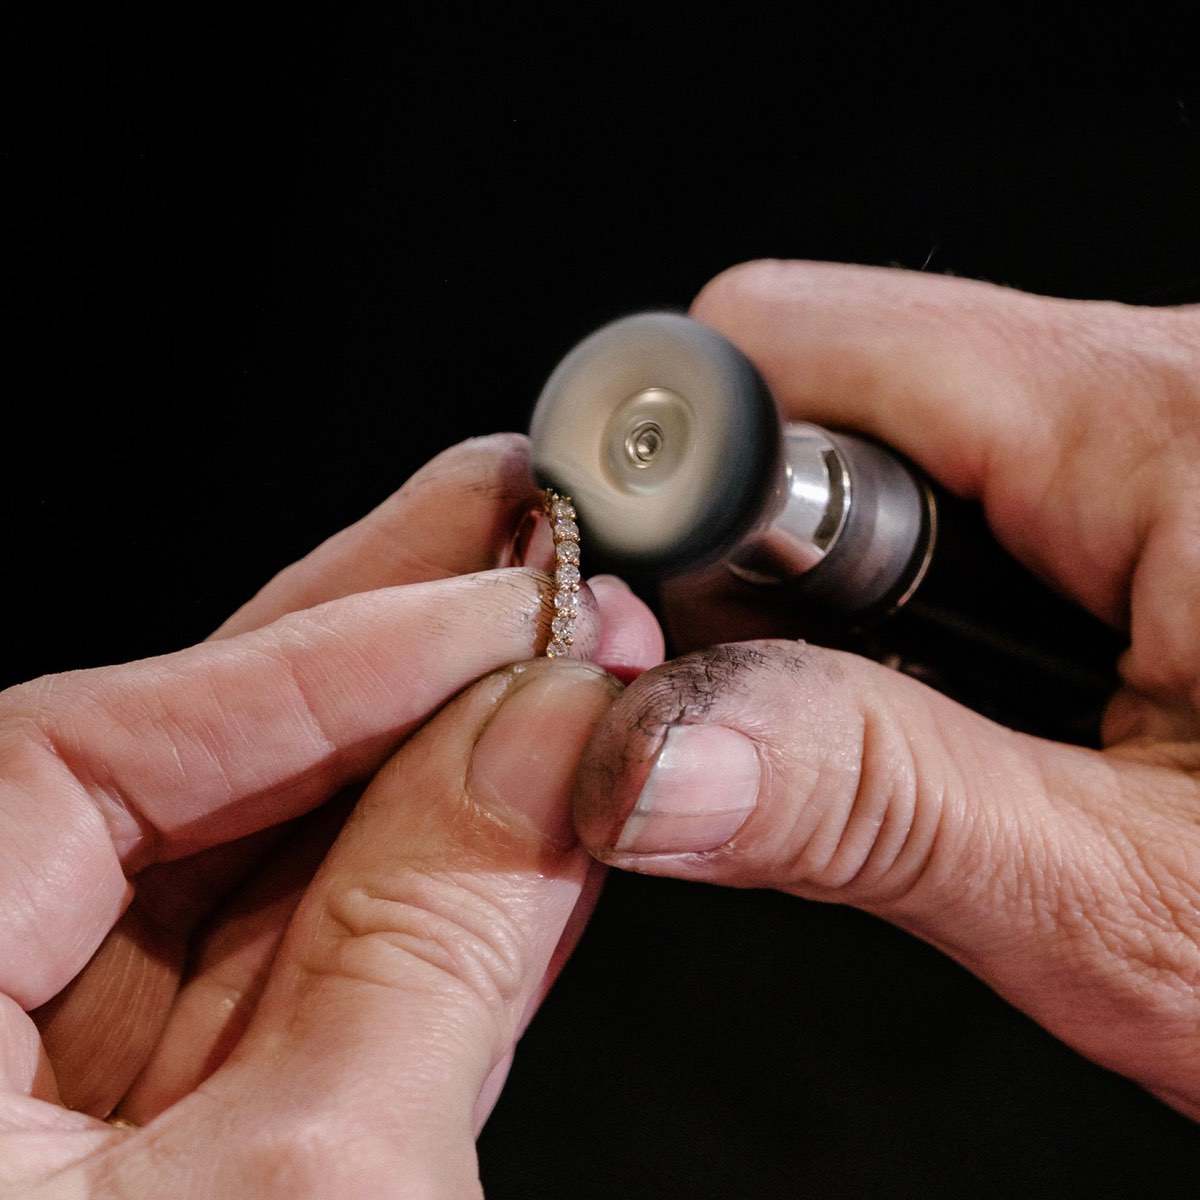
pixel 566 573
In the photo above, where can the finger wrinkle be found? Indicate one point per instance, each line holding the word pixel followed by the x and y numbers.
pixel 69 850
pixel 40 715
pixel 482 478
pixel 847 849
pixel 321 734
pixel 429 930
pixel 130 831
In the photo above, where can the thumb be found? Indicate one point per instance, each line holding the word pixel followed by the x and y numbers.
pixel 1065 877
pixel 426 938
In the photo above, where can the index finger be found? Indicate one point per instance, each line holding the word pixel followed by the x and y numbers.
pixel 1036 406
pixel 107 770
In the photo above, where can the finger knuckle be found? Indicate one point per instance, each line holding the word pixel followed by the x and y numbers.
pixel 296 1158
pixel 35 702
pixel 736 286
pixel 439 931
pixel 314 1154
pixel 514 602
pixel 874 835
pixel 494 467
pixel 870 790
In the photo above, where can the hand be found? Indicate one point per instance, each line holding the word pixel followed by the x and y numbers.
pixel 1068 879
pixel 146 884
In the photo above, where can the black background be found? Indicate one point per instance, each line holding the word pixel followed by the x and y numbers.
pixel 259 272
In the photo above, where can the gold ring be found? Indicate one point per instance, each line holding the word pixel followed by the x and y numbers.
pixel 566 572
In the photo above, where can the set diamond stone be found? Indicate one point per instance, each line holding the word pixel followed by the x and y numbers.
pixel 566 573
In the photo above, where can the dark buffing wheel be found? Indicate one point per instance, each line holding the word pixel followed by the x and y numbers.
pixel 665 437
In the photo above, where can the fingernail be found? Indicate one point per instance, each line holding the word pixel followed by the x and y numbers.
pixel 523 766
pixel 701 789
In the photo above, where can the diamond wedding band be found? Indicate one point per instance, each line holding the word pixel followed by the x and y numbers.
pixel 566 573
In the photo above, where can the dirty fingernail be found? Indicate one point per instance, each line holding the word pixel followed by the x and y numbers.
pixel 699 793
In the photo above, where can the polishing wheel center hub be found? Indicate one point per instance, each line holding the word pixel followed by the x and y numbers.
pixel 647 438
